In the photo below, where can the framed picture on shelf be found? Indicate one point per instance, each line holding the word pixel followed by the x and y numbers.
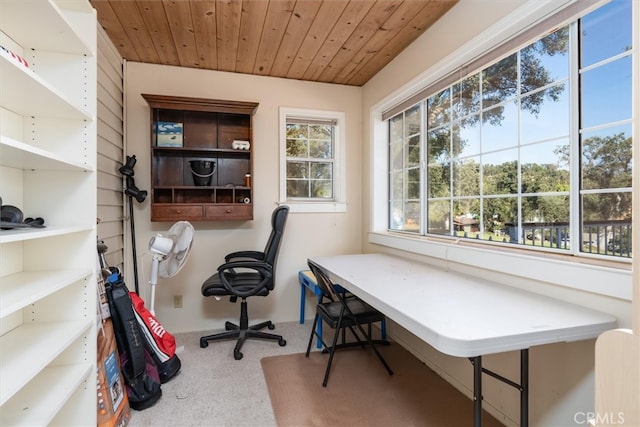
pixel 169 134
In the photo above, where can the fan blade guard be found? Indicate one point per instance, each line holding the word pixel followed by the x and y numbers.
pixel 181 233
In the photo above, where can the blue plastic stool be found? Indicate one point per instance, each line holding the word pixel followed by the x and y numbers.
pixel 308 280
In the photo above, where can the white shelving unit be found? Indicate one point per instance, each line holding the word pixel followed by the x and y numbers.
pixel 48 169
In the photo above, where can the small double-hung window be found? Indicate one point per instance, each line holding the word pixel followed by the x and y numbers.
pixel 311 173
pixel 310 158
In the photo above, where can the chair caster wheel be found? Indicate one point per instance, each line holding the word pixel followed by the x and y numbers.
pixel 271 326
pixel 237 355
pixel 204 344
pixel 282 342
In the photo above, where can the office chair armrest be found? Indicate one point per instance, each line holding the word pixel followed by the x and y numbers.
pixel 244 255
pixel 262 268
pixel 257 255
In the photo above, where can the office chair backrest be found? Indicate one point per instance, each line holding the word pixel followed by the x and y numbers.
pixel 278 220
pixel 322 279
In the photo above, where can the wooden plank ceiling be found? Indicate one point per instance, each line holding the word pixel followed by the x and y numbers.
pixel 334 41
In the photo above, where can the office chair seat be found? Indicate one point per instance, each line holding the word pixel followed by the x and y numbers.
pixel 241 282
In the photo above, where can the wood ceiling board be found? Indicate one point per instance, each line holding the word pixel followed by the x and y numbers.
pixel 228 14
pixel 155 19
pixel 203 13
pixel 397 22
pixel 181 25
pixel 112 26
pixel 251 27
pixel 298 28
pixel 135 28
pixel 276 22
pixel 373 22
pixel 325 19
pixel 416 27
pixel 346 25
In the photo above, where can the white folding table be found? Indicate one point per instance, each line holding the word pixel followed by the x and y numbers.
pixel 465 316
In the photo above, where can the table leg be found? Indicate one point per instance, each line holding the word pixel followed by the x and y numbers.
pixel 477 391
pixel 523 387
pixel 524 390
pixel 302 303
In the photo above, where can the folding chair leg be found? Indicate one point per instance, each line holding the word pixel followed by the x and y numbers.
pixel 313 332
pixel 384 362
pixel 332 351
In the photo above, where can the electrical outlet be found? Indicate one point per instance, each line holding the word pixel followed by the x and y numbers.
pixel 177 301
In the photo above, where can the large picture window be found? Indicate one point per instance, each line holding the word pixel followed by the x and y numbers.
pixel 532 149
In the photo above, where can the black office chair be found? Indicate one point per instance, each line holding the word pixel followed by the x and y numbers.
pixel 245 274
pixel 342 311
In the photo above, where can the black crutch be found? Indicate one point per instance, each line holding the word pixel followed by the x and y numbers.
pixel 133 192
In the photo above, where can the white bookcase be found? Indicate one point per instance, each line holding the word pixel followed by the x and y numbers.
pixel 48 169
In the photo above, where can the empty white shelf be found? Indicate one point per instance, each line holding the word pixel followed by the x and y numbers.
pixel 29 348
pixel 40 400
pixel 27 94
pixel 21 289
pixel 19 155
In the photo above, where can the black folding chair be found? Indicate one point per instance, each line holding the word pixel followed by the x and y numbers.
pixel 342 311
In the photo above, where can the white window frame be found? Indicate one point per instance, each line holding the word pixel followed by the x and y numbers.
pixel 338 203
pixel 593 278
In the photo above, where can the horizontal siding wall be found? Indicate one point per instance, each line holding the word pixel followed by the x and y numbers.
pixel 110 149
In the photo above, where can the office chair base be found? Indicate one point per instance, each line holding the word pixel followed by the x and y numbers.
pixel 243 332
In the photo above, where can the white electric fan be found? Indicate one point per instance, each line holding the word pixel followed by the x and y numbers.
pixel 169 253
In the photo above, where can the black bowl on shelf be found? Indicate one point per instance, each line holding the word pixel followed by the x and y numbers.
pixel 11 216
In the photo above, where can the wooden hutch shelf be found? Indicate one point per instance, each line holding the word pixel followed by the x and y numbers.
pixel 201 158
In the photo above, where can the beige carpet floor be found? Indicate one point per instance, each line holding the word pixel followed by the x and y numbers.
pixel 361 393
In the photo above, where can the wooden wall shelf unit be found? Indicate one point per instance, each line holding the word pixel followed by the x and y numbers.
pixel 201 158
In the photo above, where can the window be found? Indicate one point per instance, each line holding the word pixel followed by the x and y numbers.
pixel 309 159
pixel 312 165
pixel 532 148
